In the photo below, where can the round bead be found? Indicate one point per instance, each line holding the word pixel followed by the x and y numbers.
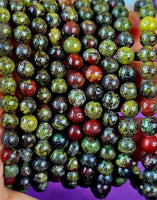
pixel 22 51
pixel 7 85
pixel 148 38
pixel 88 160
pixel 25 69
pixel 107 152
pixel 10 139
pixel 74 132
pixel 72 45
pixel 36 10
pixel 107 48
pixel 58 157
pixel 42 77
pixel 76 80
pixel 53 20
pixel 125 55
pixel 54 36
pixel 120 11
pixel 149 160
pixel 149 125
pixel 93 73
pixel 148 71
pixel 28 123
pixel 104 19
pixel 44 131
pixel 20 18
pixel 105 167
pixel 110 118
pixel 27 105
pixel 100 7
pixel 28 140
pixel 40 59
pixel 6 66
pixel 91 56
pixel 58 141
pixel 76 97
pixel 140 3
pixel 22 34
pixel 148 107
pixel 127 73
pixel 130 109
pixel 89 42
pixel 10 171
pixel 110 82
pixel 147 10
pixel 59 105
pixel 122 24
pixel 109 65
pixel 56 52
pixel 111 100
pixel 27 87
pixel 90 145
pixel 109 136
pixel 9 121
pixel 9 156
pixel 76 115
pixel 59 86
pixel 149 144
pixel 128 91
pixel 106 33
pixel 6 48
pixel 126 145
pixel 86 13
pixel 146 54
pixel 74 61
pixel 69 15
pixel 71 28
pixel 92 128
pixel 9 103
pixel 38 25
pixel 42 148
pixel 40 164
pixel 148 89
pixel 94 91
pixel 124 160
pixel 39 42
pixel 148 24
pixel 44 95
pixel 44 113
pixel 125 39
pixel 88 27
pixel 5 15
pixel 60 122
pixel 93 110
pixel 5 31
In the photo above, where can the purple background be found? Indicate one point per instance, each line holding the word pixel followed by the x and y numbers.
pixel 56 191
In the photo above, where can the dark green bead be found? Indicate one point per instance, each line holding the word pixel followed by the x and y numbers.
pixel 93 110
pixel 9 103
pixel 58 157
pixel 111 100
pixel 76 97
pixel 94 91
pixel 42 77
pixel 127 73
pixel 42 148
pixel 44 95
pixel 86 13
pixel 125 55
pixel 110 82
pixel 72 45
pixel 60 122
pixel 38 25
pixel 107 152
pixel 25 69
pixel 59 86
pixel 82 3
pixel 40 164
pixel 39 42
pixel 72 176
pixel 40 177
pixel 4 15
pixel 3 3
pixel 44 131
pixel 9 121
pixel 122 24
pixel 53 20
pixel 59 141
pixel 27 105
pixel 146 54
pixel 147 10
pixel 26 154
pixel 44 113
pixel 107 33
pixel 90 145
pixel 148 71
pixel 107 48
pixel 69 14
pixel 104 18
pixel 109 65
pixel 57 171
pixel 72 164
pixel 120 11
pixel 128 127
pixel 140 3
pixel 16 5
pixel 123 160
pixel 28 123
pixel 124 39
pixel 105 167
pixel 5 32
pixel 22 34
pixel 149 125
pixel 118 181
pixel 36 10
pixel 110 118
pixel 148 89
pixel 7 85
pixel 126 145
pixel 101 7
pixel 73 149
pixel 6 48
pixel 128 91
pixel 130 109
pixel 150 176
pixel 41 59
pixel 148 38
pixel 57 69
pixel 20 18
pixel 6 66
pixel 149 190
pixel 10 171
pixel 50 6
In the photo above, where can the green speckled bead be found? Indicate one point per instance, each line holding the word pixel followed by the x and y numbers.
pixel 50 6
pixel 73 148
pixel 57 171
pixel 72 45
pixel 148 71
pixel 105 167
pixel 86 13
pixel 60 122
pixel 126 145
pixel 44 95
pixel 5 32
pixel 38 25
pixel 44 113
pixel 122 24
pixel 4 15
pixel 73 164
pixel 107 152
pixel 146 54
pixel 20 18
pixel 28 123
pixel 6 48
pixel 10 171
pixel 58 157
pixel 93 110
pixel 42 148
pixel 58 141
pixel 42 77
pixel 58 69
pixel 27 105
pixel 7 85
pixel 16 5
pixel 125 55
pixel 104 19
pixel 149 125
pixel 107 48
pixel 110 118
pixel 40 177
pixel 101 7
pixel 148 38
pixel 39 42
pixel 41 59
pixel 82 3
pixel 147 10
pixel 111 100
pixel 25 69
pixel 9 121
pixel 3 3
pixel 148 89
pixel 54 36
pixel 44 131
pixel 128 127
pixel 90 145
pixel 72 176
pixel 76 97
pixel 128 91
pixel 109 65
pixel 36 10
pixel 120 11
pixel 22 34
pixel 9 103
pixel 59 86
pixel 140 3
pixel 53 20
pixel 130 109
pixel 123 160
pixel 118 181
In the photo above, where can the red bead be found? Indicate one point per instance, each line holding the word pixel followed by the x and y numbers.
pixel 71 28
pixel 149 144
pixel 76 80
pixel 28 88
pixel 93 74
pixel 74 61
pixel 92 128
pixel 9 181
pixel 75 132
pixel 9 156
pixel 76 115
pixel 148 107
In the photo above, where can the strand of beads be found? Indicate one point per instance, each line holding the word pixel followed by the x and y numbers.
pixel 9 102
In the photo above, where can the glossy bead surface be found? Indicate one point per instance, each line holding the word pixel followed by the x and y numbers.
pixel 149 125
pixel 76 80
pixel 125 39
pixel 74 61
pixel 147 10
pixel 122 24
pixel 42 148
pixel 106 33
pixel 28 140
pixel 76 97
pixel 109 65
pixel 90 145
pixel 28 123
pixel 22 34
pixel 38 25
pixel 74 132
pixel 44 131
pixel 20 18
pixel 9 121
pixel 92 128
pixel 42 77
pixel 126 145
pixel 43 95
pixel 59 104
pixel 104 19
pixel 71 28
pixel 39 42
pixel 25 69
pixel 6 66
pixel 125 55
pixel 54 36
pixel 148 71
pixel 27 105
pixel 107 48
pixel 128 91
pixel 36 10
pixel 105 167
pixel 148 107
pixel 107 152
pixel 9 156
pixel 10 139
pixel 58 157
pixel 148 38
pixel 10 171
pixel 60 122
pixel 93 110
pixel 40 164
pixel 59 86
pixel 53 20
pixel 5 15
pixel 146 54
pixel 86 13
pixel 76 115
pixel 72 45
pixel 110 118
pixel 130 108
pixel 148 89
pixel 44 113
pixel 27 87
pixel 148 24
pixel 91 56
pixel 7 85
pixel 94 91
pixel 123 160
pixel 88 160
pixel 40 59
pixel 149 160
pixel 59 141
pixel 110 82
pixel 149 144
pixel 9 103
pixel 111 100
pixel 88 27
pixel 89 41
pixel 120 11
pixel 93 73
pixel 22 51
pixel 109 136
pixel 127 73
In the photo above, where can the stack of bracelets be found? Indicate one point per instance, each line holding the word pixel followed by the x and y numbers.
pixel 70 96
